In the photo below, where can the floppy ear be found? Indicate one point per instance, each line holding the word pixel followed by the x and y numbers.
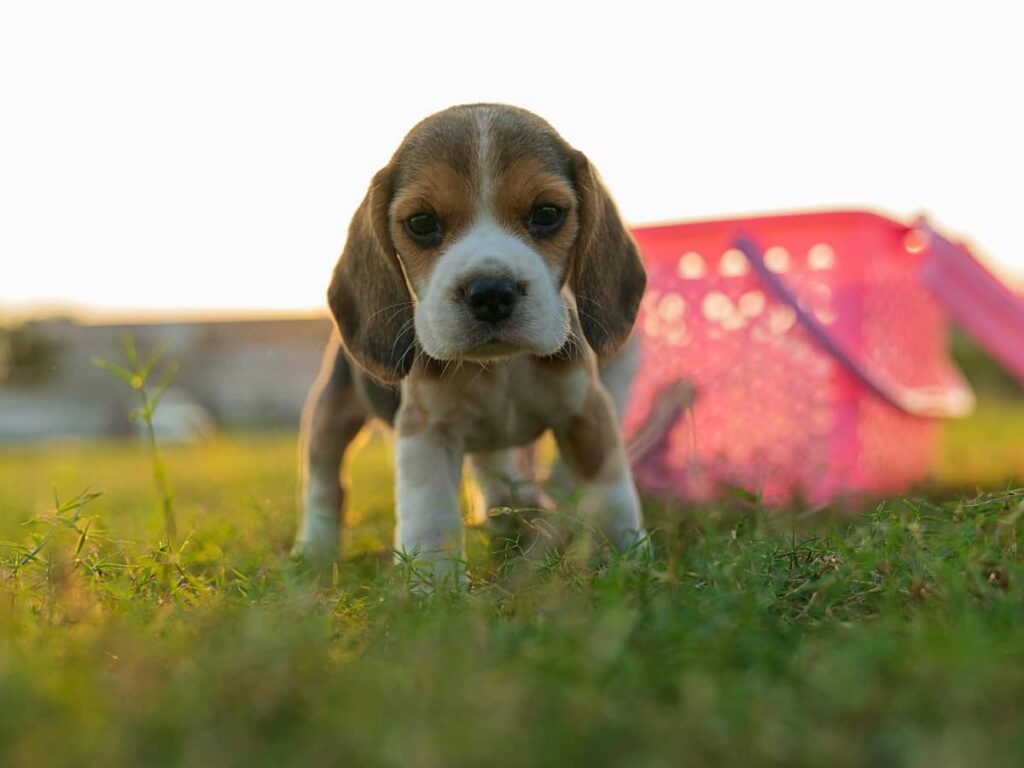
pixel 608 276
pixel 368 294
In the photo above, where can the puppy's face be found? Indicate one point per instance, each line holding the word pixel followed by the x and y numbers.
pixel 483 216
pixel 477 241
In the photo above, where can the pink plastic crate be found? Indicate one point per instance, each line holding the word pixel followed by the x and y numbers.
pixel 817 357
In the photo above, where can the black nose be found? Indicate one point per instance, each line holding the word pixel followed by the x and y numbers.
pixel 491 299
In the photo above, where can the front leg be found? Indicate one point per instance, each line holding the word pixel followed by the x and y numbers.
pixel 331 419
pixel 591 446
pixel 429 526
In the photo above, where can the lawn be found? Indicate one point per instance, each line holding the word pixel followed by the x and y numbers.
pixel 892 635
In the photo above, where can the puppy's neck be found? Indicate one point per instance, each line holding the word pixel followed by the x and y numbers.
pixel 573 353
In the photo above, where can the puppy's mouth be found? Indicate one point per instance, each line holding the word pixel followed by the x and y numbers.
pixel 494 349
pixel 496 344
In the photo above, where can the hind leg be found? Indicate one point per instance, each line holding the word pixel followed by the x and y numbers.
pixel 506 493
pixel 506 478
pixel 332 417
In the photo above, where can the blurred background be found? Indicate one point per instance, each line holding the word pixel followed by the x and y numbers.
pixel 185 173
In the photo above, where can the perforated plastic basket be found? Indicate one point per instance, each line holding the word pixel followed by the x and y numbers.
pixel 816 355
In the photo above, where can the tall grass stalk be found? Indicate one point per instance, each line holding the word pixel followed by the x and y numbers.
pixel 137 376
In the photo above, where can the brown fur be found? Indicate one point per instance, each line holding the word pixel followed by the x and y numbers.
pixel 588 442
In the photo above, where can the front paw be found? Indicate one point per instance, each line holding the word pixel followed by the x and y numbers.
pixel 634 542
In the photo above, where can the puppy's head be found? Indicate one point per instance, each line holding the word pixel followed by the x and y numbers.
pixel 477 241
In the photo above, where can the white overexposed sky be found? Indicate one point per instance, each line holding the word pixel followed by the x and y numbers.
pixel 207 155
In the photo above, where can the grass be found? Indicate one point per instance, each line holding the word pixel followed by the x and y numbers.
pixel 890 636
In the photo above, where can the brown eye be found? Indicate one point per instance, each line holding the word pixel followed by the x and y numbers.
pixel 423 227
pixel 545 219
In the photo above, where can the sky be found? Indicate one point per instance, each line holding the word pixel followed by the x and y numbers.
pixel 206 156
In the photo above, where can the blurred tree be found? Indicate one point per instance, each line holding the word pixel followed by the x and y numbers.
pixel 27 357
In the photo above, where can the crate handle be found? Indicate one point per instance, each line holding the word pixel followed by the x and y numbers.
pixel 954 400
pixel 974 297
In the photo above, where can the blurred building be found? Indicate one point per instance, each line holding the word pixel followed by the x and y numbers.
pixel 231 374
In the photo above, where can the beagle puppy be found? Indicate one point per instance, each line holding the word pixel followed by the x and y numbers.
pixel 486 279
